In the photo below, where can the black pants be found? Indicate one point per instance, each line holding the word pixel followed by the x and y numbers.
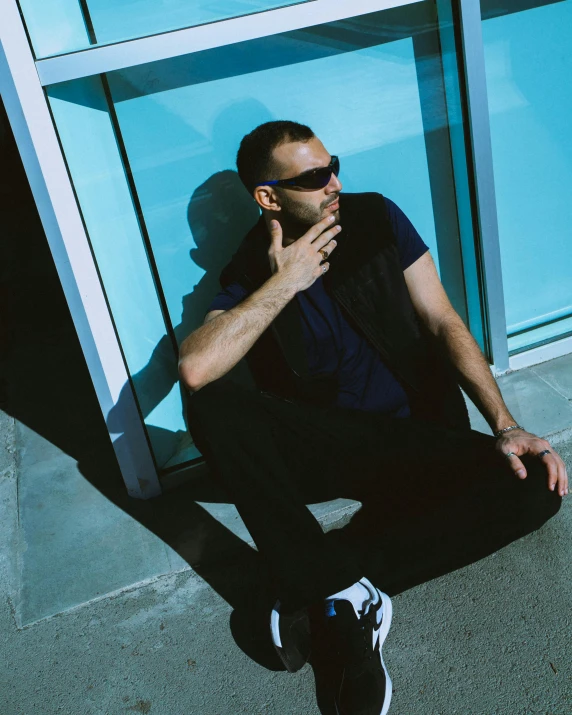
pixel 433 499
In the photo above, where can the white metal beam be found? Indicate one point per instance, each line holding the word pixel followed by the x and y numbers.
pixel 37 142
pixel 483 174
pixel 552 350
pixel 106 58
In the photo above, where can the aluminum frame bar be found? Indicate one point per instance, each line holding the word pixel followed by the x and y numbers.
pixel 483 177
pixel 535 356
pixel 45 168
pixel 129 53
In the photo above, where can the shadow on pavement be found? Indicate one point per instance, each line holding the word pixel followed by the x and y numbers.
pixel 45 384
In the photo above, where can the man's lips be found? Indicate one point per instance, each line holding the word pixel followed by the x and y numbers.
pixel 334 206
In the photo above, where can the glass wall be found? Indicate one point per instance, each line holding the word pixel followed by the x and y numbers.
pixel 528 67
pixel 151 151
pixel 59 26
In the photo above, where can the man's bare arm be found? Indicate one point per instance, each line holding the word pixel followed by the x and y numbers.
pixel 434 308
pixel 226 336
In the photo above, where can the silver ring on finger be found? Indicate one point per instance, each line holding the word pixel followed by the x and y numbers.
pixel 324 268
pixel 508 455
pixel 541 454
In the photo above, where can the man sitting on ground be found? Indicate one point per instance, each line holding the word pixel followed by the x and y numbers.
pixel 357 354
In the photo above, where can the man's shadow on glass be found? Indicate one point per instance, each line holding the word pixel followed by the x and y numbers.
pixel 219 213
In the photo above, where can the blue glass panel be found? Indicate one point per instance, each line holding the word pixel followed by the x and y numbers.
pixel 182 139
pixel 55 26
pixel 370 87
pixel 528 65
pixel 59 26
pixel 86 130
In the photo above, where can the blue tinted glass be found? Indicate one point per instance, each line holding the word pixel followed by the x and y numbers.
pixel 165 208
pixel 528 66
pixel 58 26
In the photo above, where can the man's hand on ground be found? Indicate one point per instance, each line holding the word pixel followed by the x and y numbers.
pixel 521 442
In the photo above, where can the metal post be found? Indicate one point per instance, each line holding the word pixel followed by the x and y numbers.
pixel 45 168
pixel 482 175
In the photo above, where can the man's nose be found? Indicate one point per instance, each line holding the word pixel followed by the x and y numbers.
pixel 334 184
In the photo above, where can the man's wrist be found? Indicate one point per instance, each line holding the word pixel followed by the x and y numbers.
pixel 285 288
pixel 508 429
pixel 500 420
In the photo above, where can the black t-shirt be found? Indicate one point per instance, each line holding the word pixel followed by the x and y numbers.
pixel 333 346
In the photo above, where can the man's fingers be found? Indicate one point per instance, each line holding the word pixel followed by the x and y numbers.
pixel 565 477
pixel 557 476
pixel 551 468
pixel 276 235
pixel 562 479
pixel 516 465
pixel 312 234
pixel 326 240
pixel 562 474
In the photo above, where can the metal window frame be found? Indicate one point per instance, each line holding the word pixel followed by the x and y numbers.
pixel 467 102
pixel 21 83
pixel 534 356
pixel 35 135
pixel 129 53
pixel 482 176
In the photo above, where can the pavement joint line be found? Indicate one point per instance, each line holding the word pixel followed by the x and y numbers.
pixel 552 387
pixel 328 520
pixel 111 595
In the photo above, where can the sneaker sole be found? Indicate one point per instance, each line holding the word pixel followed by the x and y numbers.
pixel 292 659
pixel 380 636
pixel 383 631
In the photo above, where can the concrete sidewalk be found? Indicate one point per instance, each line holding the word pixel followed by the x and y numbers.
pixel 161 638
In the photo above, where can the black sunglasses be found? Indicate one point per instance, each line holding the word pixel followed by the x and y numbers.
pixel 310 180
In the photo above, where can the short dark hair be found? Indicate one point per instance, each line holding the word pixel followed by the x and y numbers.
pixel 254 158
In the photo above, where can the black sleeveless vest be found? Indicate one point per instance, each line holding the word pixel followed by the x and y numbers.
pixel 367 281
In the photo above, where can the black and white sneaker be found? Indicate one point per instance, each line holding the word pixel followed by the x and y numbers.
pixel 364 686
pixel 291 636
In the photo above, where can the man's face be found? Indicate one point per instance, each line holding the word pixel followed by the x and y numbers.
pixel 305 208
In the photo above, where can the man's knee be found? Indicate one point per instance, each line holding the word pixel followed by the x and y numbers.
pixel 221 405
pixel 205 408
pixel 212 411
pixel 213 397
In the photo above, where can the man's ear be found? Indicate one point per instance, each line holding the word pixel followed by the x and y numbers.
pixel 267 198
